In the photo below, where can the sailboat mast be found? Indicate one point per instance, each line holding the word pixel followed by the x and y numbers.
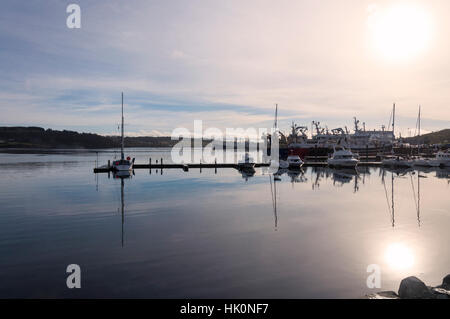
pixel 418 142
pixel 393 121
pixel 122 144
pixel 276 117
pixel 419 120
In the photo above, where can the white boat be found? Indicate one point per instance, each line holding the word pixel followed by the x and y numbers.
pixel 294 161
pixel 246 162
pixel 442 159
pixel 124 164
pixel 342 158
pixel 396 161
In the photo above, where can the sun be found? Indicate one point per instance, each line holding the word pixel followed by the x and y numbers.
pixel 399 256
pixel 400 32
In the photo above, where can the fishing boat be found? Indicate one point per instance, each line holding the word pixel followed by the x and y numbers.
pixel 342 157
pixel 322 141
pixel 124 164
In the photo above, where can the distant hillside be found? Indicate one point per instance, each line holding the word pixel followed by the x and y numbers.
pixel 37 137
pixel 439 137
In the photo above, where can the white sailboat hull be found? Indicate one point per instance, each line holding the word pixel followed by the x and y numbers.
pixel 123 167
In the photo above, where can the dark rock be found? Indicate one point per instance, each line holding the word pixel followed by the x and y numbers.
pixel 414 288
pixel 446 282
pixel 440 293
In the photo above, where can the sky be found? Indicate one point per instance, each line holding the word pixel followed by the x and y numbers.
pixel 226 63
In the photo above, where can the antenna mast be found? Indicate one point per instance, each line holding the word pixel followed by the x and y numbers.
pixel 122 156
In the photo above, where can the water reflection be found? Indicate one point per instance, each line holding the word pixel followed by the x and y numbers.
pixel 122 175
pixel 219 234
pixel 273 191
pixel 246 172
pixel 399 256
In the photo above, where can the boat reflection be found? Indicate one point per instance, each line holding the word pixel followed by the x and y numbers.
pixel 122 175
pixel 273 191
pixel 296 175
pixel 247 172
pixel 339 176
pixel 343 176
pixel 401 173
pixel 443 172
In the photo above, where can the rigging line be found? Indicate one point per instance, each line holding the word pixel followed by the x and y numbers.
pixel 271 191
pixel 387 198
pixel 414 193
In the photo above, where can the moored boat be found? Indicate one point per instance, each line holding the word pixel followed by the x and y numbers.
pixel 246 162
pixel 342 158
pixel 442 159
pixel 124 164
pixel 294 161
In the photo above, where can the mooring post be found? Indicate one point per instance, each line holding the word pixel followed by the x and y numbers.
pixel 215 166
pixel 161 163
pixel 150 165
pixel 200 166
pixel 109 164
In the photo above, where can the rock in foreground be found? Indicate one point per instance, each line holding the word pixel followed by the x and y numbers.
pixel 414 288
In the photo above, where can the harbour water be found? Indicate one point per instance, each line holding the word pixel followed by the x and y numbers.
pixel 311 234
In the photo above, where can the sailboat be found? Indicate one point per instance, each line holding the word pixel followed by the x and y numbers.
pixel 124 164
pixel 419 160
pixel 395 161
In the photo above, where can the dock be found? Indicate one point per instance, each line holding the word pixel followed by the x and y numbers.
pixel 186 167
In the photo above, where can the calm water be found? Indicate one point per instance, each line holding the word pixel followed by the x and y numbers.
pixel 200 234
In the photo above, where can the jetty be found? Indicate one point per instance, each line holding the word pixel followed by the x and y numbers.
pixel 315 161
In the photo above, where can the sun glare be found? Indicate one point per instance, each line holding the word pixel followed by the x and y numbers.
pixel 400 32
pixel 399 256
